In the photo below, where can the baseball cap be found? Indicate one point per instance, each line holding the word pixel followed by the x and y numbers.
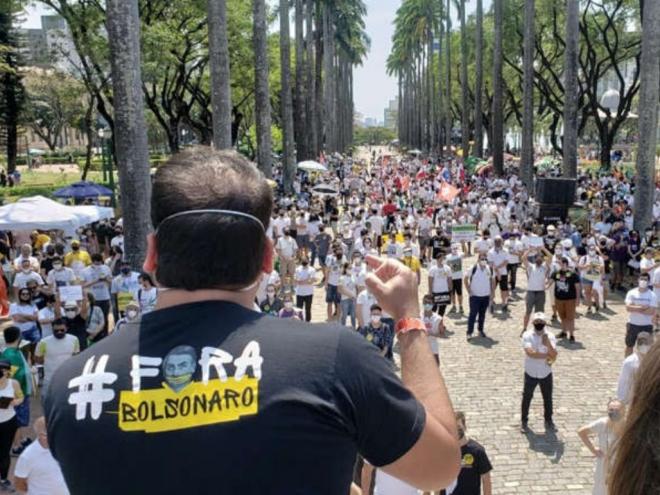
pixel 70 304
pixel 539 317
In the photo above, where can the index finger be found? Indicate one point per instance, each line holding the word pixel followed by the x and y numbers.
pixel 374 262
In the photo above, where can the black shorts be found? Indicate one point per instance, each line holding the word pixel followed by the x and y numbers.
pixel 632 331
pixel 503 282
pixel 457 287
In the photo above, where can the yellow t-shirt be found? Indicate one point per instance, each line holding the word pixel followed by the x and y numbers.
pixel 41 241
pixel 77 258
pixel 412 263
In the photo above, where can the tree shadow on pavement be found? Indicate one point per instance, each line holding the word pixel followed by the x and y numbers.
pixel 548 443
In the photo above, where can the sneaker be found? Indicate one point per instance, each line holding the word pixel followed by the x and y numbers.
pixel 492 309
pixel 523 427
pixel 562 335
pixel 554 317
pixel 550 426
pixel 452 310
pixel 461 310
pixel 6 486
pixel 572 339
pixel 469 337
pixel 483 335
pixel 26 442
pixel 505 308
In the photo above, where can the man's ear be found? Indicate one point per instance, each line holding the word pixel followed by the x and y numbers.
pixel 151 260
pixel 269 254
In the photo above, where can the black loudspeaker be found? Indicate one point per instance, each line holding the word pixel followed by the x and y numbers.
pixel 551 214
pixel 555 191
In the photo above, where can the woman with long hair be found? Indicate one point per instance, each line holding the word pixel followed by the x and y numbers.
pixel 636 468
pixel 11 396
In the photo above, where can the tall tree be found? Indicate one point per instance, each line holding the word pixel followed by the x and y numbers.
pixel 286 103
pixel 448 111
pixel 312 146
pixel 301 128
pixel 11 84
pixel 479 83
pixel 130 136
pixel 465 106
pixel 220 74
pixel 262 92
pixel 569 147
pixel 648 115
pixel 497 144
pixel 527 157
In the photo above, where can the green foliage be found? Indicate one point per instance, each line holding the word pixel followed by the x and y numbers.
pixel 373 136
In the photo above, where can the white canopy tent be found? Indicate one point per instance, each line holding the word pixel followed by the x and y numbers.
pixel 42 213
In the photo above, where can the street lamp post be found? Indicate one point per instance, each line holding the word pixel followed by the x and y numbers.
pixel 107 162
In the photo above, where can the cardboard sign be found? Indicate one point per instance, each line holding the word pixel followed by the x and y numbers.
pixel 536 241
pixel 71 293
pixel 464 233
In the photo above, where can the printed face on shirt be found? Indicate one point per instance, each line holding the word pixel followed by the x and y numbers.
pixel 179 366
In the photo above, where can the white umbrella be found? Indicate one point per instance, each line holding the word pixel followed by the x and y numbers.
pixel 312 166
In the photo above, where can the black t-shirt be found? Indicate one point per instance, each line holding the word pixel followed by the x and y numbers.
pixel 474 464
pixel 77 326
pixel 226 400
pixel 565 283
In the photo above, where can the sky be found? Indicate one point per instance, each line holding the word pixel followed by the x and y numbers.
pixel 373 88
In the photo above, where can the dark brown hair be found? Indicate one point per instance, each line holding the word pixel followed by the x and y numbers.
pixel 209 250
pixel 636 467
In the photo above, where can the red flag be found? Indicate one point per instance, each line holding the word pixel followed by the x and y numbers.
pixel 447 192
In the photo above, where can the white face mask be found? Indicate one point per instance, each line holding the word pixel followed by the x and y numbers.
pixel 70 314
pixel 375 319
pixel 288 305
pixel 57 266
pixel 131 314
pixel 643 284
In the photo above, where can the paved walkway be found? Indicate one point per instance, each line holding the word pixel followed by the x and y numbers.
pixel 485 380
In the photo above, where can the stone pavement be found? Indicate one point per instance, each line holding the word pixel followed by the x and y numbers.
pixel 485 380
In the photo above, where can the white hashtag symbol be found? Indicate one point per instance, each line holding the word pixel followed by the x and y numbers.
pixel 91 389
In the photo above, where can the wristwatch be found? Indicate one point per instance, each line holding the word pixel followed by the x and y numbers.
pixel 405 325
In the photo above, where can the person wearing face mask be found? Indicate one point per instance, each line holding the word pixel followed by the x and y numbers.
pixel 631 365
pixel 54 350
pixel 77 259
pixel 289 310
pixel 540 348
pixel 474 477
pixel 412 262
pixel 287 250
pixel 305 279
pixel 26 274
pixel 480 289
pixel 96 323
pixel 25 315
pixel 537 272
pixel 333 264
pixel 124 289
pixel 592 269
pixel 75 318
pixel 131 317
pixel 60 276
pixel 608 430
pixel 567 297
pixel 97 279
pixel 498 258
pixel 641 304
pixel 434 326
pixel 272 304
pixel 11 397
pixel 47 316
pixel 379 333
pixel 455 263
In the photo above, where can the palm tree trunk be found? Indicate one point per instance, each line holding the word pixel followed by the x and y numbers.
pixel 220 74
pixel 571 88
pixel 130 137
pixel 288 154
pixel 498 120
pixel 479 83
pixel 465 124
pixel 319 99
pixel 262 92
pixel 448 115
pixel 527 158
pixel 441 91
pixel 311 147
pixel 648 115
pixel 301 128
pixel 429 92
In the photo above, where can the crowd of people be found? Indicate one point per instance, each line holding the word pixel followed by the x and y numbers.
pixel 470 239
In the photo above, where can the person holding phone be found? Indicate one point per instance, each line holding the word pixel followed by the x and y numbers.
pixel 11 396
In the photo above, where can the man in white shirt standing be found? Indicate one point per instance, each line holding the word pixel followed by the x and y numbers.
pixel 540 348
pixel 641 304
pixel 631 365
pixel 305 278
pixel 286 251
pixel 440 284
pixel 479 288
pixel 537 278
pixel 54 350
pixel 498 258
pixel 37 472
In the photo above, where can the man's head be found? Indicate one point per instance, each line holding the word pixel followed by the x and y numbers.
pixel 616 410
pixel 26 266
pixel 12 335
pixel 97 259
pixel 498 241
pixel 75 245
pixel 199 250
pixel 40 430
pixel 376 314
pixel 59 328
pixel 70 309
pixel 24 295
pixel 427 303
pixel 539 321
pixel 643 343
pixel 644 280
pixel 57 263
pixel 26 250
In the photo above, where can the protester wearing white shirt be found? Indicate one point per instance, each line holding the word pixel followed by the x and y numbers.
pixel 305 278
pixel 540 348
pixel 641 304
pixel 498 257
pixel 37 472
pixel 631 365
